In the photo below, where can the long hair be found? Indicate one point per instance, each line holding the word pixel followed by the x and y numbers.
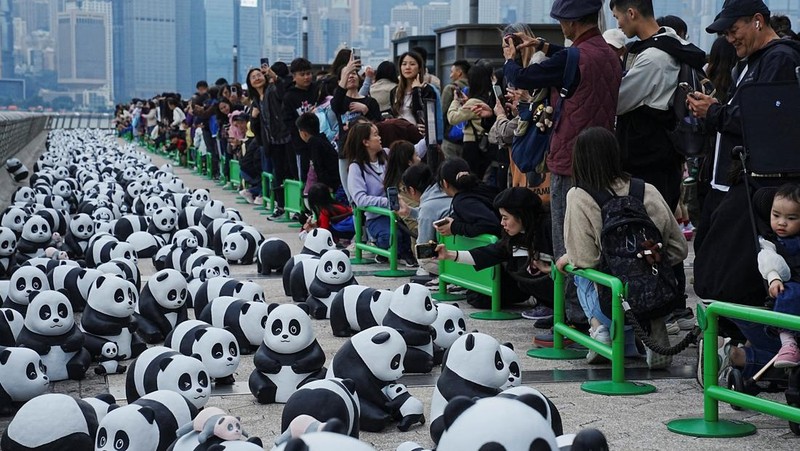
pixel 596 160
pixel 386 70
pixel 531 219
pixel 251 91
pixel 320 199
pixel 354 149
pixel 403 84
pixel 400 154
pixel 480 82
pixel 455 171
pixel 419 177
pixel 524 56
pixel 721 61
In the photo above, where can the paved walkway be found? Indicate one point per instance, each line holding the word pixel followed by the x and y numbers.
pixel 636 422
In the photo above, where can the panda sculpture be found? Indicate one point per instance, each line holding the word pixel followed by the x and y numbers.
pixel 22 378
pixel 17 170
pixel 216 348
pixel 449 325
pixel 163 223
pixel 122 267
pixel 35 238
pixel 223 286
pixel 511 360
pixel 162 305
pixel 161 368
pixel 289 355
pixel 51 422
pixel 244 319
pixel 272 255
pixel 199 198
pixel 220 229
pixel 411 313
pixel 76 281
pixel 324 400
pixel 212 426
pixel 130 224
pixel 356 307
pixel 212 210
pixel 409 410
pixel 109 325
pixel 50 330
pixel 241 247
pixel 545 407
pixel 11 324
pixel 316 241
pixel 472 367
pixel 14 218
pixel 8 249
pixel 146 243
pixel 149 423
pixel 81 229
pixel 324 441
pixel 373 359
pixel 333 273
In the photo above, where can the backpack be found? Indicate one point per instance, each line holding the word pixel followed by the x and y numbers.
pixel 456 131
pixel 688 135
pixel 630 250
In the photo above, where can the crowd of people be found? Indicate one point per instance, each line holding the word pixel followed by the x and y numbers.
pixel 351 133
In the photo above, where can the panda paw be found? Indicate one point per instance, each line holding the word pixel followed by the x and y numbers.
pixel 227 380
pixel 410 420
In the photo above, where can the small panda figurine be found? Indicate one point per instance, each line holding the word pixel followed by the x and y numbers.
pixel 324 441
pixel 22 378
pixel 410 409
pixel 108 323
pixel 373 359
pixel 162 305
pixel 163 223
pixel 356 307
pixel 449 325
pixel 472 367
pixel 81 229
pixel 240 248
pixel 17 170
pixel 145 243
pixel 303 273
pixel 211 211
pixel 50 330
pixel 289 356
pixel 212 426
pixel 511 360
pixel 41 424
pixel 199 198
pixel 129 224
pixel 272 255
pixel 411 313
pixel 304 424
pixel 244 319
pixel 11 324
pixel 333 273
pixel 14 218
pixel 216 348
pixel 546 407
pixel 76 281
pixel 35 238
pixel 316 241
pixel 161 368
pixel 324 400
pixel 149 423
pixel 8 249
pixel 222 286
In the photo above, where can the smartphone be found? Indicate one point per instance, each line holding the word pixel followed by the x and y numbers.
pixel 264 62
pixel 440 222
pixel 234 91
pixel 430 122
pixel 686 87
pixel 394 198
pixel 426 250
pixel 498 92
pixel 356 54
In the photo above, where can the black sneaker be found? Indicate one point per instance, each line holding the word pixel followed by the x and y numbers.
pixel 543 323
pixel 381 259
pixel 409 261
pixel 277 214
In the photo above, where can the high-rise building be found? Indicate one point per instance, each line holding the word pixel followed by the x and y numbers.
pixel 434 15
pixel 35 13
pixel 190 46
pixel 337 31
pixel 247 27
pixel 6 40
pixel 82 56
pixel 489 11
pixel 406 17
pixel 282 26
pixel 219 39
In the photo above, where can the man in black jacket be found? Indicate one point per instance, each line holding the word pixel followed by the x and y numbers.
pixel 300 97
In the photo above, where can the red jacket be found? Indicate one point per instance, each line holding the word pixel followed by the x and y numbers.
pixel 325 216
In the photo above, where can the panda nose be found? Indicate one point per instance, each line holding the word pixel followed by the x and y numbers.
pixel 199 390
pixel 285 337
pixel 230 359
pixel 55 320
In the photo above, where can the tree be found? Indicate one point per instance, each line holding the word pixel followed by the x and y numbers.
pixel 63 103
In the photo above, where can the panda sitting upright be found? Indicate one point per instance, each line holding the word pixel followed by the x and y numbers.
pixel 36 237
pixel 411 313
pixel 81 229
pixel 22 378
pixel 289 356
pixel 333 273
pixel 162 305
pixel 8 249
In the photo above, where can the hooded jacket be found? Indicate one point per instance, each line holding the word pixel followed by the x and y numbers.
pixel 473 213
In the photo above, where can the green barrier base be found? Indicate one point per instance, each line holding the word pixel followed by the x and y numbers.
pixel 260 208
pixel 448 297
pixel 395 273
pixel 556 354
pixel 611 388
pixel 363 261
pixel 698 427
pixel 294 225
pixel 283 220
pixel 495 316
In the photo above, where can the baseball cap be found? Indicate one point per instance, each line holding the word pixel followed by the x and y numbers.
pixel 615 38
pixel 732 10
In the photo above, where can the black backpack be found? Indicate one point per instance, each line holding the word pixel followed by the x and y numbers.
pixel 688 135
pixel 631 247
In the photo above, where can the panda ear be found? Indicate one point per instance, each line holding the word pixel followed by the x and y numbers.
pixel 272 307
pixel 164 364
pixel 381 338
pixel 376 295
pixel 4 355
pixel 536 403
pixel 470 342
pixel 245 308
pixel 455 304
pixel 295 444
pixel 456 407
pixel 107 398
pixel 197 356
pixel 323 252
pixel 509 345
pixel 148 414
pixel 32 295
pixel 304 307
pixel 406 288
pixel 349 384
pixel 199 333
pixel 64 292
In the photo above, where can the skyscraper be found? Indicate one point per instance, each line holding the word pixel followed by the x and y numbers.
pixel 82 55
pixel 434 15
pixel 247 27
pixel 6 40
pixel 219 39
pixel 283 24
pixel 407 17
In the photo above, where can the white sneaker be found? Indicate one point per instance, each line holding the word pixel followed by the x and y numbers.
pixel 248 196
pixel 602 335
pixel 258 200
pixel 673 328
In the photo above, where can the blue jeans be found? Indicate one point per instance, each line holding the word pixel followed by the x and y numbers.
pixel 590 303
pixel 379 229
pixel 762 349
pixel 254 182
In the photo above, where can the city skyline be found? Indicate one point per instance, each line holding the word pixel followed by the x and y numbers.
pixel 98 51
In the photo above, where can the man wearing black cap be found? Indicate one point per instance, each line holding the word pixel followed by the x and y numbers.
pixel 591 100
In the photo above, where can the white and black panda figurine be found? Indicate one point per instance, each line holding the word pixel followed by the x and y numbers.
pixel 149 423
pixel 332 401
pixel 22 378
pixel 411 313
pixel 472 367
pixel 162 305
pixel 145 243
pixel 244 319
pixel 130 224
pixel 17 170
pixel 50 330
pixel 409 410
pixel 35 238
pixel 163 223
pixel 356 307
pixel 52 422
pixel 240 248
pixel 373 359
pixel 289 356
pixel 76 281
pixel 316 241
pixel 223 286
pixel 216 348
pixel 81 230
pixel 545 407
pixel 8 249
pixel 511 360
pixel 25 281
pixel 272 255
pixel 333 273
pixel 161 368
pixel 109 325
pixel 212 426
pixel 449 325
pixel 11 324
pixel 323 441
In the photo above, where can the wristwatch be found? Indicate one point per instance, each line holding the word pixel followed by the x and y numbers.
pixel 540 46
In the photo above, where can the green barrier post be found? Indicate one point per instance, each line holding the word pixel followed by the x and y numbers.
pixel 358 225
pixel 292 201
pixel 617 386
pixel 235 176
pixel 711 425
pixel 390 253
pixel 267 201
pixel 209 171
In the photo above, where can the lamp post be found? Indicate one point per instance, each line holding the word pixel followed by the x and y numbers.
pixel 235 63
pixel 305 36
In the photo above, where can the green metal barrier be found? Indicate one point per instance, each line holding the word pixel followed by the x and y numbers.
pixel 485 281
pixel 268 202
pixel 209 171
pixel 293 201
pixel 391 253
pixel 711 425
pixel 235 177
pixel 617 386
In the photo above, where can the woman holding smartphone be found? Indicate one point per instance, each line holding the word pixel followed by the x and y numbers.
pixel 462 110
pixel 409 95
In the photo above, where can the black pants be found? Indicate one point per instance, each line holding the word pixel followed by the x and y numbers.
pixel 282 162
pixel 477 159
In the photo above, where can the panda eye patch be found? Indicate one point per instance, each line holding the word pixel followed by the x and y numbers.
pixel 341 266
pixel 277 327
pixel 462 324
pixel 42 368
pixel 294 327
pixel 62 310
pixel 233 246
pixel 498 361
pixel 449 326
pixel 216 351
pixel 202 379
pixel 395 362
pixel 172 295
pixel 80 228
pixel 263 322
pixel 34 228
pixel 514 369
pixel 130 293
pixel 30 371
pixel 101 438
pixel 119 296
pixel 121 441
pixel 45 313
pixel 5 244
pixel 183 293
pixel 232 349
pixel 21 284
pixel 328 266
pixel 185 382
